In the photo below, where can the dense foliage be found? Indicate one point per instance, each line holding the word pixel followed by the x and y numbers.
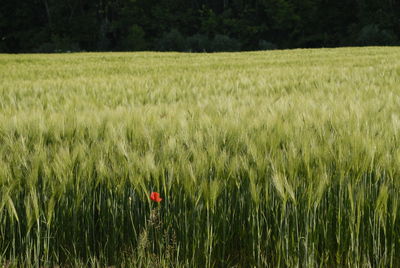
pixel 261 159
pixel 194 25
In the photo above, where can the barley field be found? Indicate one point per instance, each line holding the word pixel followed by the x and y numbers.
pixel 262 159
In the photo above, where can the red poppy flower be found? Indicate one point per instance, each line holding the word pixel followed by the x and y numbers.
pixel 155 197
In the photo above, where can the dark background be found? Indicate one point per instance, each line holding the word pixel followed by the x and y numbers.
pixel 195 25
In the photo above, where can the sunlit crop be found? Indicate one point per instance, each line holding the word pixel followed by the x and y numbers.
pixel 261 159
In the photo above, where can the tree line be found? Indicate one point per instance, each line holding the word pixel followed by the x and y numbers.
pixel 195 25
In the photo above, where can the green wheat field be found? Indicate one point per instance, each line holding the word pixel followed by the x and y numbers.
pixel 262 159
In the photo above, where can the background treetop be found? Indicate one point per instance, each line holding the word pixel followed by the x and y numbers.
pixel 195 25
